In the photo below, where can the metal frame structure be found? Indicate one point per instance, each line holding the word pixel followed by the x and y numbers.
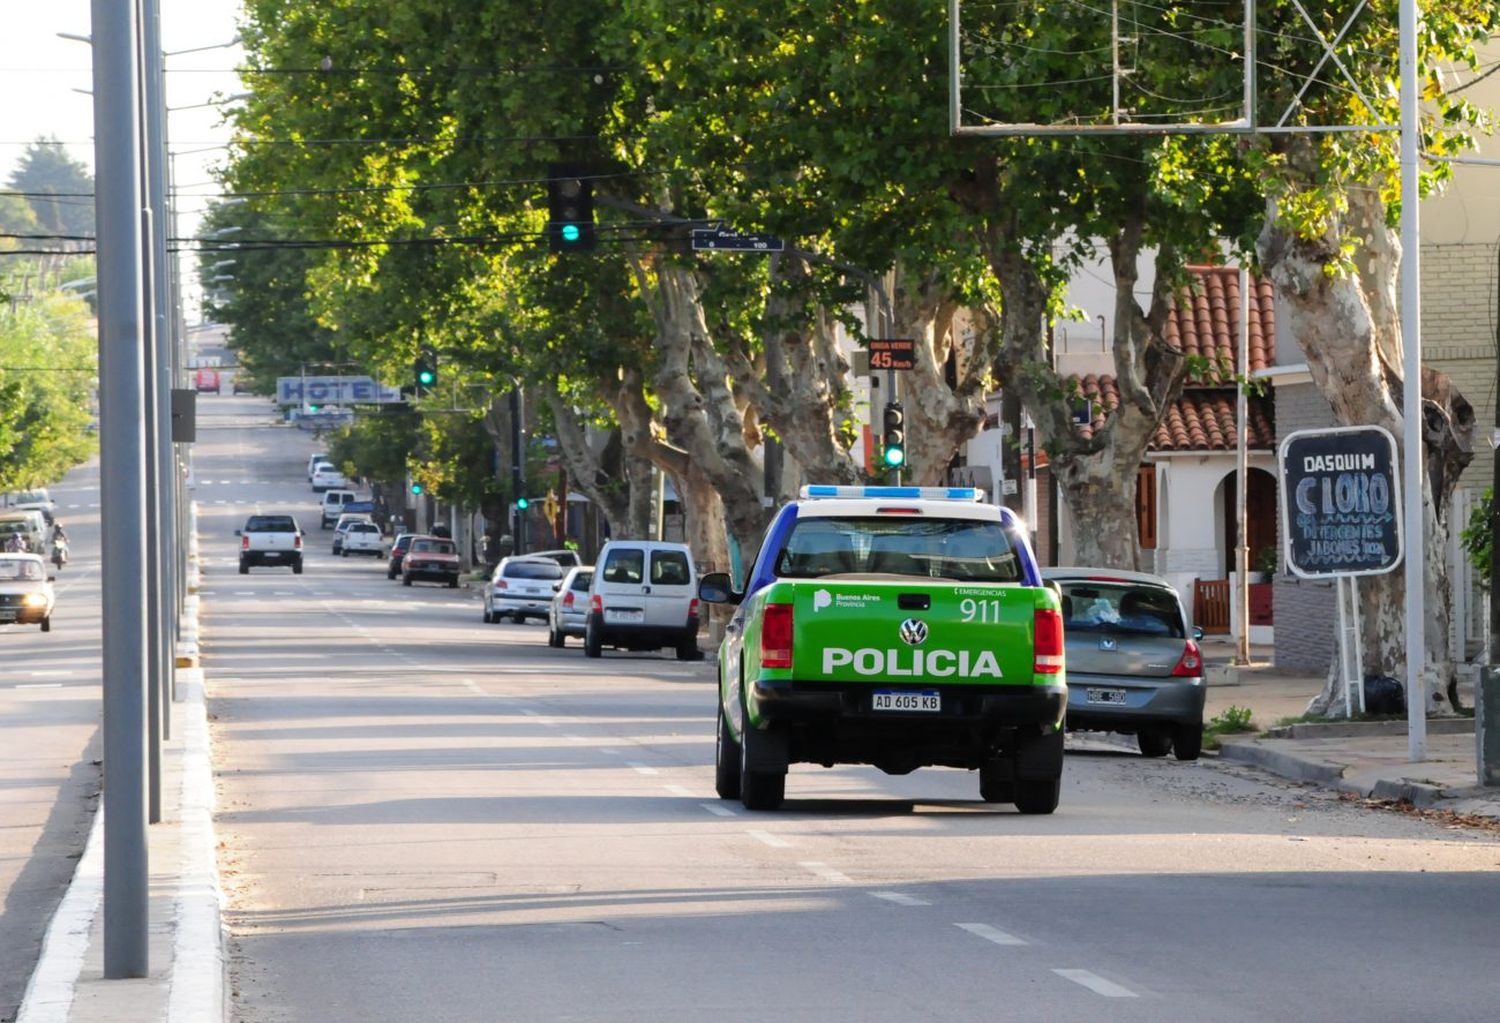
pixel 1120 122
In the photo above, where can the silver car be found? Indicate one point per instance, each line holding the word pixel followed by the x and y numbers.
pixel 521 588
pixel 1133 663
pixel 570 606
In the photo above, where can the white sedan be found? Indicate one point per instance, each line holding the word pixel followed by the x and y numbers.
pixel 26 596
pixel 326 477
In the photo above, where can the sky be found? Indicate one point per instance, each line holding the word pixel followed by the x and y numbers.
pixel 39 73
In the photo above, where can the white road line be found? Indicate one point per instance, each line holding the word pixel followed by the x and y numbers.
pixel 717 810
pixel 47 674
pixel 774 841
pixel 640 768
pixel 610 752
pixel 1096 983
pixel 901 898
pixel 40 685
pixel 989 933
pixel 824 871
pixel 473 686
pixel 530 713
pixel 574 738
pixel 678 790
pixel 244 593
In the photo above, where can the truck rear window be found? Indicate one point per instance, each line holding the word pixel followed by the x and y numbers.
pixel 270 524
pixel 961 550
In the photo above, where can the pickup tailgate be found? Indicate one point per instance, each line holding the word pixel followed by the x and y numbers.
pixel 907 632
pixel 266 541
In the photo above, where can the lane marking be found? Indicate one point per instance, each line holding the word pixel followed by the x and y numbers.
pixel 641 768
pixel 901 898
pixel 47 674
pixel 824 871
pixel 473 686
pixel 717 810
pixel 1096 983
pixel 610 752
pixel 774 841
pixel 575 738
pixel 678 790
pixel 530 713
pixel 989 933
pixel 40 685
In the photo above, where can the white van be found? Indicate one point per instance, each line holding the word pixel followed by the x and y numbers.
pixel 644 596
pixel 333 505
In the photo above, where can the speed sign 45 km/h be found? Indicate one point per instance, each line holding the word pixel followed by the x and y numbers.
pixel 1340 501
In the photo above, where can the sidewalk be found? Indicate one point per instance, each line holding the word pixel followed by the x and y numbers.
pixel 1364 758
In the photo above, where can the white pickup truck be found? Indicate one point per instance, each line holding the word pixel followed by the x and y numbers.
pixel 270 540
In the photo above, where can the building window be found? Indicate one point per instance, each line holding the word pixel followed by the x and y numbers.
pixel 1145 506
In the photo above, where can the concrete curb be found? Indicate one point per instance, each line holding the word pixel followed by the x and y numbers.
pixel 49 994
pixel 1357 729
pixel 1286 765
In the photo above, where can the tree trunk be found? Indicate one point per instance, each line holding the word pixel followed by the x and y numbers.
pixel 1348 327
pixel 641 454
pixel 940 416
pixel 584 468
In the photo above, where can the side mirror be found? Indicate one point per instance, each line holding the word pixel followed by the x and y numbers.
pixel 52 578
pixel 239 532
pixel 718 588
pixel 1197 632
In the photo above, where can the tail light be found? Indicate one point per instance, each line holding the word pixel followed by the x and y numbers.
pixel 596 603
pixel 1190 664
pixel 1047 642
pixel 501 584
pixel 568 599
pixel 693 608
pixel 245 543
pixel 776 636
pixel 297 541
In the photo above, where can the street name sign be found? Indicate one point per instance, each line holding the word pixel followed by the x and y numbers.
pixel 1340 502
pixel 334 391
pixel 725 239
pixel 893 353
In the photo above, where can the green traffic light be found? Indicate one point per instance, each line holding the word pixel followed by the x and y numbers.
pixel 416 488
pixel 522 503
pixel 426 377
pixel 570 233
pixel 895 456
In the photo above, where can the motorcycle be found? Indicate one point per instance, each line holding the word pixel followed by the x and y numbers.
pixel 59 553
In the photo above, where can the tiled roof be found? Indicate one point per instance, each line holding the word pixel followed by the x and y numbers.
pixel 1205 321
pixel 1200 420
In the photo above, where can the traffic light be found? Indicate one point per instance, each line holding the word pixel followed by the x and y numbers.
pixel 895 436
pixel 570 209
pixel 416 488
pixel 522 503
pixel 424 370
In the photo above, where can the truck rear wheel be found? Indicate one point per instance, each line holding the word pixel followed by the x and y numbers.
pixel 1038 795
pixel 726 762
pixel 593 645
pixel 759 790
pixel 997 780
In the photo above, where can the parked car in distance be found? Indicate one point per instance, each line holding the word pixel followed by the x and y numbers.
pixel 644 596
pixel 569 612
pixel 565 558
pixel 26 595
pixel 32 500
pixel 327 477
pixel 398 554
pixel 334 504
pixel 1133 663
pixel 432 558
pixel 521 587
pixel 270 540
pixel 346 519
pixel 362 538
pixel 313 461
pixel 30 525
pixel 206 381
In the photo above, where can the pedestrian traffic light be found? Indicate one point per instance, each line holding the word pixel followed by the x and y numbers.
pixel 424 370
pixel 895 436
pixel 570 209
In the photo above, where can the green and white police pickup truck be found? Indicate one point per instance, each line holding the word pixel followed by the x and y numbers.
pixel 902 627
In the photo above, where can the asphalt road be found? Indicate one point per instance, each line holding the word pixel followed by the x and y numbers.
pixel 424 817
pixel 49 743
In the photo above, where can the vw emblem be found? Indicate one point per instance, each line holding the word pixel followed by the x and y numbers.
pixel 914 632
pixel 1107 643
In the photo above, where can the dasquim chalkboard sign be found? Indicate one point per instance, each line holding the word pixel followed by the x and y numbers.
pixel 1340 501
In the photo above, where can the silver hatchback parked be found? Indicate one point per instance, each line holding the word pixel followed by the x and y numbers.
pixel 521 588
pixel 1133 665
pixel 570 606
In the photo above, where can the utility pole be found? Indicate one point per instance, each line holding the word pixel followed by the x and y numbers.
pixel 518 468
pixel 119 196
pixel 1242 475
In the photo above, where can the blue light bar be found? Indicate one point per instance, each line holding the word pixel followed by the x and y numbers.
pixel 887 493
